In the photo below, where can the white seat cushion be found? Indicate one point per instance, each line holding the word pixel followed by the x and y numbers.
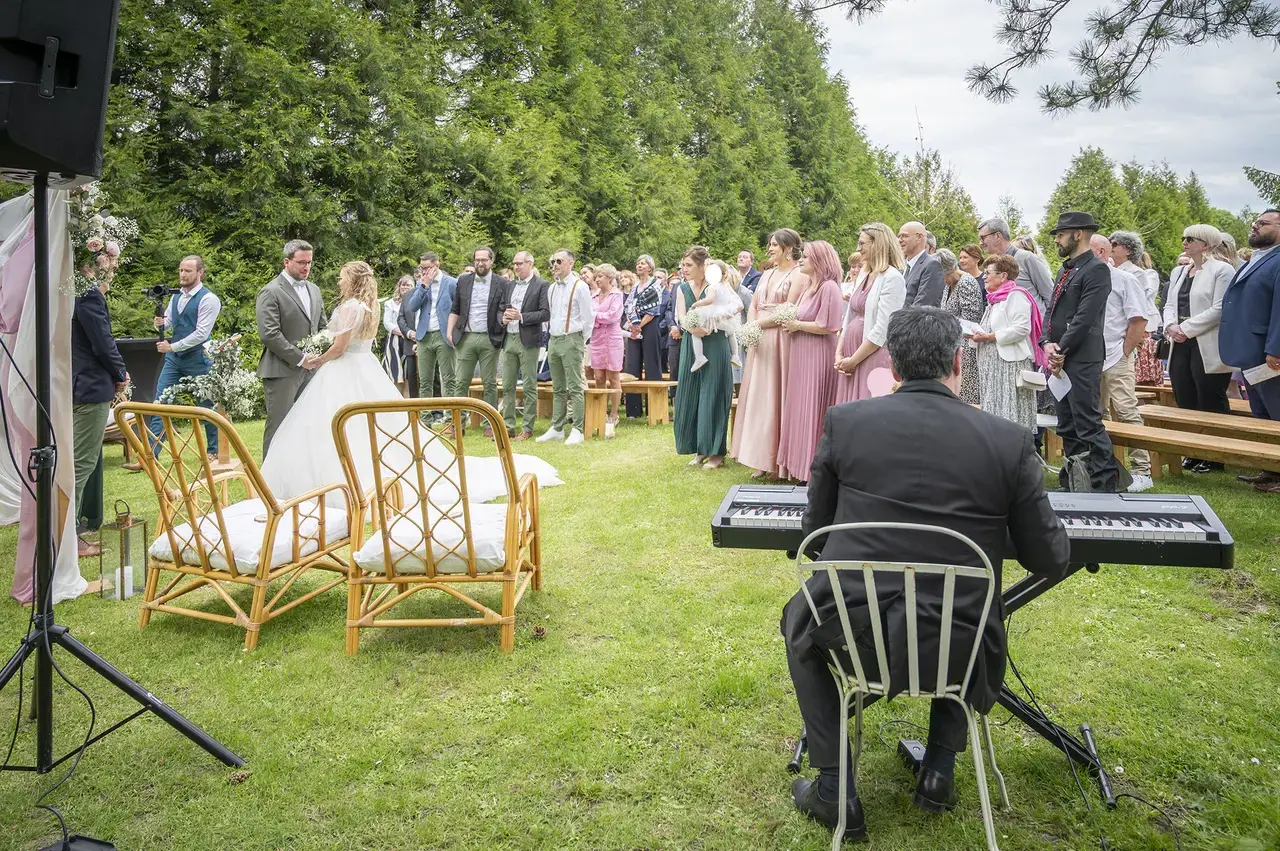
pixel 246 523
pixel 408 548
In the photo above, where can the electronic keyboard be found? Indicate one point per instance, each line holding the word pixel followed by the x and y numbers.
pixel 1147 529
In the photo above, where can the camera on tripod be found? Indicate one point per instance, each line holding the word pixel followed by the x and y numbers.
pixel 159 294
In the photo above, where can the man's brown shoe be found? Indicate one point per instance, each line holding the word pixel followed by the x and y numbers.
pixel 86 549
pixel 1263 478
pixel 524 435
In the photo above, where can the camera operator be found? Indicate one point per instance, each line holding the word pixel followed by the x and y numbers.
pixel 191 314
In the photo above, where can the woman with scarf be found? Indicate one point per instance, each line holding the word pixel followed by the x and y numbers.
pixel 1007 344
pixel 644 341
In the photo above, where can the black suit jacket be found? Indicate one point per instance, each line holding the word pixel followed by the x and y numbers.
pixel 535 309
pixel 497 303
pixel 923 456
pixel 96 365
pixel 1076 314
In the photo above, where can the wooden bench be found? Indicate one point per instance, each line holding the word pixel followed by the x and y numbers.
pixel 1170 446
pixel 1163 394
pixel 657 396
pixel 1223 425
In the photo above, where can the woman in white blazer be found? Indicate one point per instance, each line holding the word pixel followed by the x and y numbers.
pixel 879 291
pixel 1192 311
pixel 1005 347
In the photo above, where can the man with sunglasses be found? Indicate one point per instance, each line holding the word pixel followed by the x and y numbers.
pixel 1249 332
pixel 572 319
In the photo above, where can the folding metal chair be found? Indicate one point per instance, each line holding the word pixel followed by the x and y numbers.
pixel 855 686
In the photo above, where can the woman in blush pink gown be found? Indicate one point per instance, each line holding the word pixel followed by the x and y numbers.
pixel 879 291
pixel 762 395
pixel 808 376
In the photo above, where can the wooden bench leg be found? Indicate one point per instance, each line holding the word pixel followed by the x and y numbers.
pixel 595 414
pixel 1052 446
pixel 1175 464
pixel 1157 469
pixel 659 409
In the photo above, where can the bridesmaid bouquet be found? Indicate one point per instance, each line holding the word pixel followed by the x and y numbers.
pixel 785 313
pixel 750 335
pixel 692 319
pixel 317 344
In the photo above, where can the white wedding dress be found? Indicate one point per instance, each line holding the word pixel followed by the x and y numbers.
pixel 305 457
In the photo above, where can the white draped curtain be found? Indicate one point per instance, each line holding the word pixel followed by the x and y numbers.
pixel 17 323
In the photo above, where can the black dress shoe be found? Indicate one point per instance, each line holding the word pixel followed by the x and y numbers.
pixel 805 795
pixel 1188 463
pixel 935 792
pixel 1207 467
pixel 1263 478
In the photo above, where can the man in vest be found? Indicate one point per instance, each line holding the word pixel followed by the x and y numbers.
pixel 190 316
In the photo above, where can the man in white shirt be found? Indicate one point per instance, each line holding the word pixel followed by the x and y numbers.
pixel 572 319
pixel 1124 327
pixel 190 315
pixel 526 311
pixel 1033 271
pixel 476 327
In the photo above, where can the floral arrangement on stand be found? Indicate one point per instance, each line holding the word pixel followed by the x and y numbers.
pixel 98 238
pixel 227 384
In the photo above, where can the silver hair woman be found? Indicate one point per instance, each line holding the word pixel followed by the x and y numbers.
pixel 1127 253
pixel 964 299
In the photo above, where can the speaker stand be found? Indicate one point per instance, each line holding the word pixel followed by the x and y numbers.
pixel 45 634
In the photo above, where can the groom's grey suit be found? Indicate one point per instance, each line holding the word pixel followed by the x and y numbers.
pixel 282 323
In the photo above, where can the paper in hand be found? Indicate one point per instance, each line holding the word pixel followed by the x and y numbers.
pixel 1260 373
pixel 970 327
pixel 1059 385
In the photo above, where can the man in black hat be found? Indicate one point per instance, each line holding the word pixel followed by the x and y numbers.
pixel 1073 341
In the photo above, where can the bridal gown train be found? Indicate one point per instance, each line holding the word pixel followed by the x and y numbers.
pixel 305 457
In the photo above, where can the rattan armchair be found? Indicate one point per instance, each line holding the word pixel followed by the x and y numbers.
pixel 424 533
pixel 210 540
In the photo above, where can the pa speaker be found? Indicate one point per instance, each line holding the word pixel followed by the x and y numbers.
pixel 55 66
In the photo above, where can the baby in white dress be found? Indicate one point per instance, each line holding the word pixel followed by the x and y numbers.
pixel 721 310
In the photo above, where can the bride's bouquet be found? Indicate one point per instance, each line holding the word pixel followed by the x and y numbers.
pixel 317 344
pixel 692 319
pixel 750 335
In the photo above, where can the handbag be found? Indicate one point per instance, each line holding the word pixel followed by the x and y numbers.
pixel 1031 379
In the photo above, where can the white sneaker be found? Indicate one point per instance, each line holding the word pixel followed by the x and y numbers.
pixel 549 435
pixel 1140 484
pixel 574 438
pixel 609 431
pixel 698 363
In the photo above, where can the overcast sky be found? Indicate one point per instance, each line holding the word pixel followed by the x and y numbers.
pixel 1210 109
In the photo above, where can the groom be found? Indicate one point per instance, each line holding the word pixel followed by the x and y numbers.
pixel 288 310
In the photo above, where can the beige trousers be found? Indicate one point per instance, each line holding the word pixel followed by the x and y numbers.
pixel 1120 402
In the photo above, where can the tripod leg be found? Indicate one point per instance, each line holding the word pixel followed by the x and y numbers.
pixel 14 665
pixel 797 759
pixel 118 679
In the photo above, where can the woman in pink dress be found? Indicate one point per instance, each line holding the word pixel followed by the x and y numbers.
pixel 763 394
pixel 606 341
pixel 878 292
pixel 808 376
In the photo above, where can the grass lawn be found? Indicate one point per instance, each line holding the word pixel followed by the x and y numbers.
pixel 657 712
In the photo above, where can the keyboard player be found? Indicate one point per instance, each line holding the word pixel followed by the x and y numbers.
pixel 919 455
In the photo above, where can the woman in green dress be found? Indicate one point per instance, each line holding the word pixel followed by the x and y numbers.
pixel 703 396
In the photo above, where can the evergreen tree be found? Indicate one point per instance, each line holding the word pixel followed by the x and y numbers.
pixel 1090 185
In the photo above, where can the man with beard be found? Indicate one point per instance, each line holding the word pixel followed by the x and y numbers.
pixel 1074 344
pixel 1249 333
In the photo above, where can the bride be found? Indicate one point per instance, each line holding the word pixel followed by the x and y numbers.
pixel 303 455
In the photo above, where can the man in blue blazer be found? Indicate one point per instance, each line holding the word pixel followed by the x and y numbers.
pixel 97 375
pixel 1249 333
pixel 433 300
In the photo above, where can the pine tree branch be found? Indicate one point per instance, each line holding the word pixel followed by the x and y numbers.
pixel 1124 42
